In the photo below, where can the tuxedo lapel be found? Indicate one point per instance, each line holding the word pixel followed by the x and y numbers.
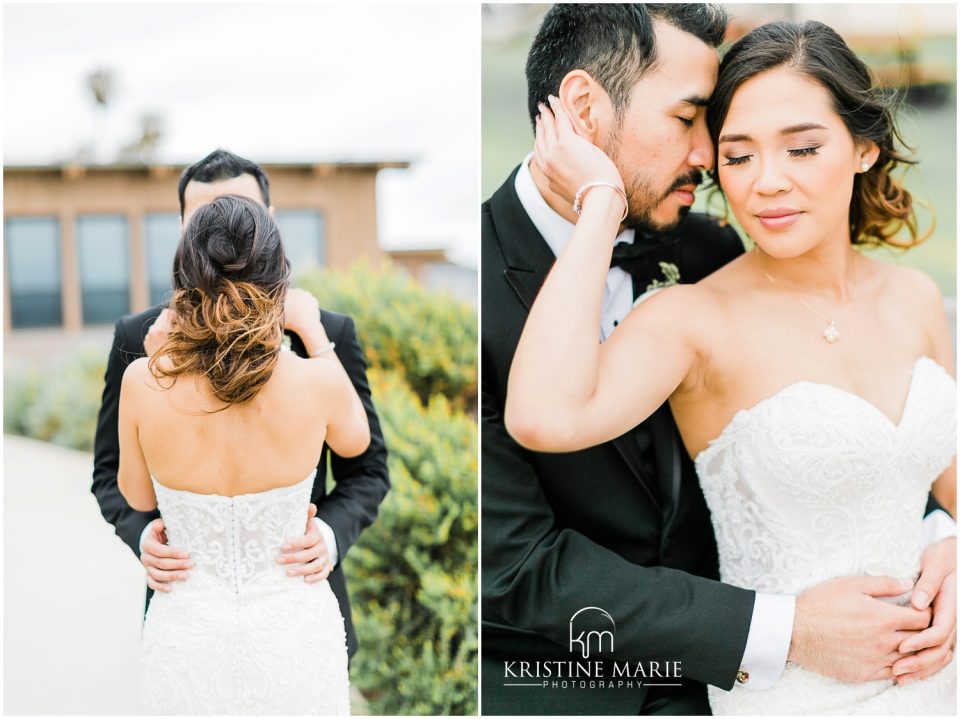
pixel 528 260
pixel 527 256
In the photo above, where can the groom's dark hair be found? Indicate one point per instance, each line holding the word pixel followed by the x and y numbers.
pixel 223 165
pixel 613 42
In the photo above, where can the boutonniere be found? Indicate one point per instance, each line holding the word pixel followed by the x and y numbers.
pixel 671 276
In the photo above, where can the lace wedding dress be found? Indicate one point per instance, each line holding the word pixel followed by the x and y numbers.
pixel 239 636
pixel 816 483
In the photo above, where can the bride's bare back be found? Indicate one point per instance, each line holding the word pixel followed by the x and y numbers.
pixel 274 440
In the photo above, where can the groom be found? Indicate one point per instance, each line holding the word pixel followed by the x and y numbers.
pixel 361 482
pixel 605 557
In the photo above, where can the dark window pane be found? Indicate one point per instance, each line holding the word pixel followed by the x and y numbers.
pixel 33 267
pixel 303 233
pixel 161 234
pixel 104 267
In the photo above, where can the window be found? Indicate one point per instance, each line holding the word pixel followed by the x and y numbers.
pixel 161 233
pixel 103 251
pixel 33 267
pixel 303 234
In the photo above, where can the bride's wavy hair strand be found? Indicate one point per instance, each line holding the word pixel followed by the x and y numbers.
pixel 230 277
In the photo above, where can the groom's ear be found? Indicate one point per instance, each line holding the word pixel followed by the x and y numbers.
pixel 584 101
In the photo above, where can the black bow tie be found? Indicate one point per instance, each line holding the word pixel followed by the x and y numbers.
pixel 641 259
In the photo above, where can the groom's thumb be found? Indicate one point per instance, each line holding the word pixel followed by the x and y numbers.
pixel 884 586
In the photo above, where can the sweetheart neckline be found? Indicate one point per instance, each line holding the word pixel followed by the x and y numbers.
pixel 740 413
pixel 309 478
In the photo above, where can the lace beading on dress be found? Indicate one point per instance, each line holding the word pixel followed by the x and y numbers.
pixel 239 636
pixel 816 483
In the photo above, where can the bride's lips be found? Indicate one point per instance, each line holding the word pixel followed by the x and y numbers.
pixel 778 218
pixel 685 194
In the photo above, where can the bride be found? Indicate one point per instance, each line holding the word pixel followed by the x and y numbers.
pixel 222 431
pixel 811 384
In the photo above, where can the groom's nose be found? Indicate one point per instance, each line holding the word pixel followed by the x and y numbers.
pixel 701 148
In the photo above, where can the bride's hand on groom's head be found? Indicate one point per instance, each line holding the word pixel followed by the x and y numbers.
pixel 567 159
pixel 159 331
pixel 301 311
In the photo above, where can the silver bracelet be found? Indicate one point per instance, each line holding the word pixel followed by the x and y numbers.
pixel 586 187
pixel 321 352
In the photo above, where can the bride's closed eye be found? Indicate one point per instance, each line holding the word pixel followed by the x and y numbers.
pixel 738 160
pixel 734 160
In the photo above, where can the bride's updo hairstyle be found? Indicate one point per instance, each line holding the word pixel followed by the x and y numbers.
pixel 230 277
pixel 880 206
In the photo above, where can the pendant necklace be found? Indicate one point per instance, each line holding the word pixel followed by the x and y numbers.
pixel 830 333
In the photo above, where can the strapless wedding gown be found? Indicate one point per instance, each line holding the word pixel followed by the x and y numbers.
pixel 239 636
pixel 816 483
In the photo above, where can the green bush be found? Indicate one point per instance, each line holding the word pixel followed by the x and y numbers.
pixel 430 337
pixel 57 404
pixel 413 574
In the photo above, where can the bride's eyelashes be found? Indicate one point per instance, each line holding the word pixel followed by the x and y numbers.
pixel 687 121
pixel 732 161
pixel 798 152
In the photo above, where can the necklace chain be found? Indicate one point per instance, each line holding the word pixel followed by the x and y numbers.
pixel 830 333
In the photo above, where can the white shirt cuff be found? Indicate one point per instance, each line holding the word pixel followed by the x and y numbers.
pixel 143 535
pixel 768 641
pixel 330 539
pixel 938 525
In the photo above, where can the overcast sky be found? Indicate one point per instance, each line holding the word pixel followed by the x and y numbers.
pixel 298 83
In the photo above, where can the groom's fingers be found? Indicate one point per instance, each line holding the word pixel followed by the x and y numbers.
pixel 317 570
pixel 316 551
pixel 171 564
pixel 162 575
pixel 157 549
pixel 882 586
pixel 158 586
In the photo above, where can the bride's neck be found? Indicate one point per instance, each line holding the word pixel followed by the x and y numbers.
pixel 553 200
pixel 825 271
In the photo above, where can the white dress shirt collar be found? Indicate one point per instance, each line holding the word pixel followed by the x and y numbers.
pixel 554 228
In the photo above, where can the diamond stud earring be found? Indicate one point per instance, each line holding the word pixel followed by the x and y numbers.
pixel 864 167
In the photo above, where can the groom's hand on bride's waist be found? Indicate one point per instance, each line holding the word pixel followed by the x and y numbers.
pixel 931 650
pixel 310 551
pixel 843 629
pixel 164 564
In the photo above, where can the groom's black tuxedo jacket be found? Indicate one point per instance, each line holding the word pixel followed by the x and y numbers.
pixel 621 526
pixel 361 482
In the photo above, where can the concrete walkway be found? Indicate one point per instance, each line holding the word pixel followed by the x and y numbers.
pixel 73 592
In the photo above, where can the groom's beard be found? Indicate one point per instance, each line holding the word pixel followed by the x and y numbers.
pixel 643 198
pixel 644 201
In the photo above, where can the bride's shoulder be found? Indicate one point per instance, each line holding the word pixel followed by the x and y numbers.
pixel 139 369
pixel 913 287
pixel 684 305
pixel 298 369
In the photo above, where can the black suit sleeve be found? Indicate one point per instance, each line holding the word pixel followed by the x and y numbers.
pixel 361 482
pixel 127 522
pixel 536 575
